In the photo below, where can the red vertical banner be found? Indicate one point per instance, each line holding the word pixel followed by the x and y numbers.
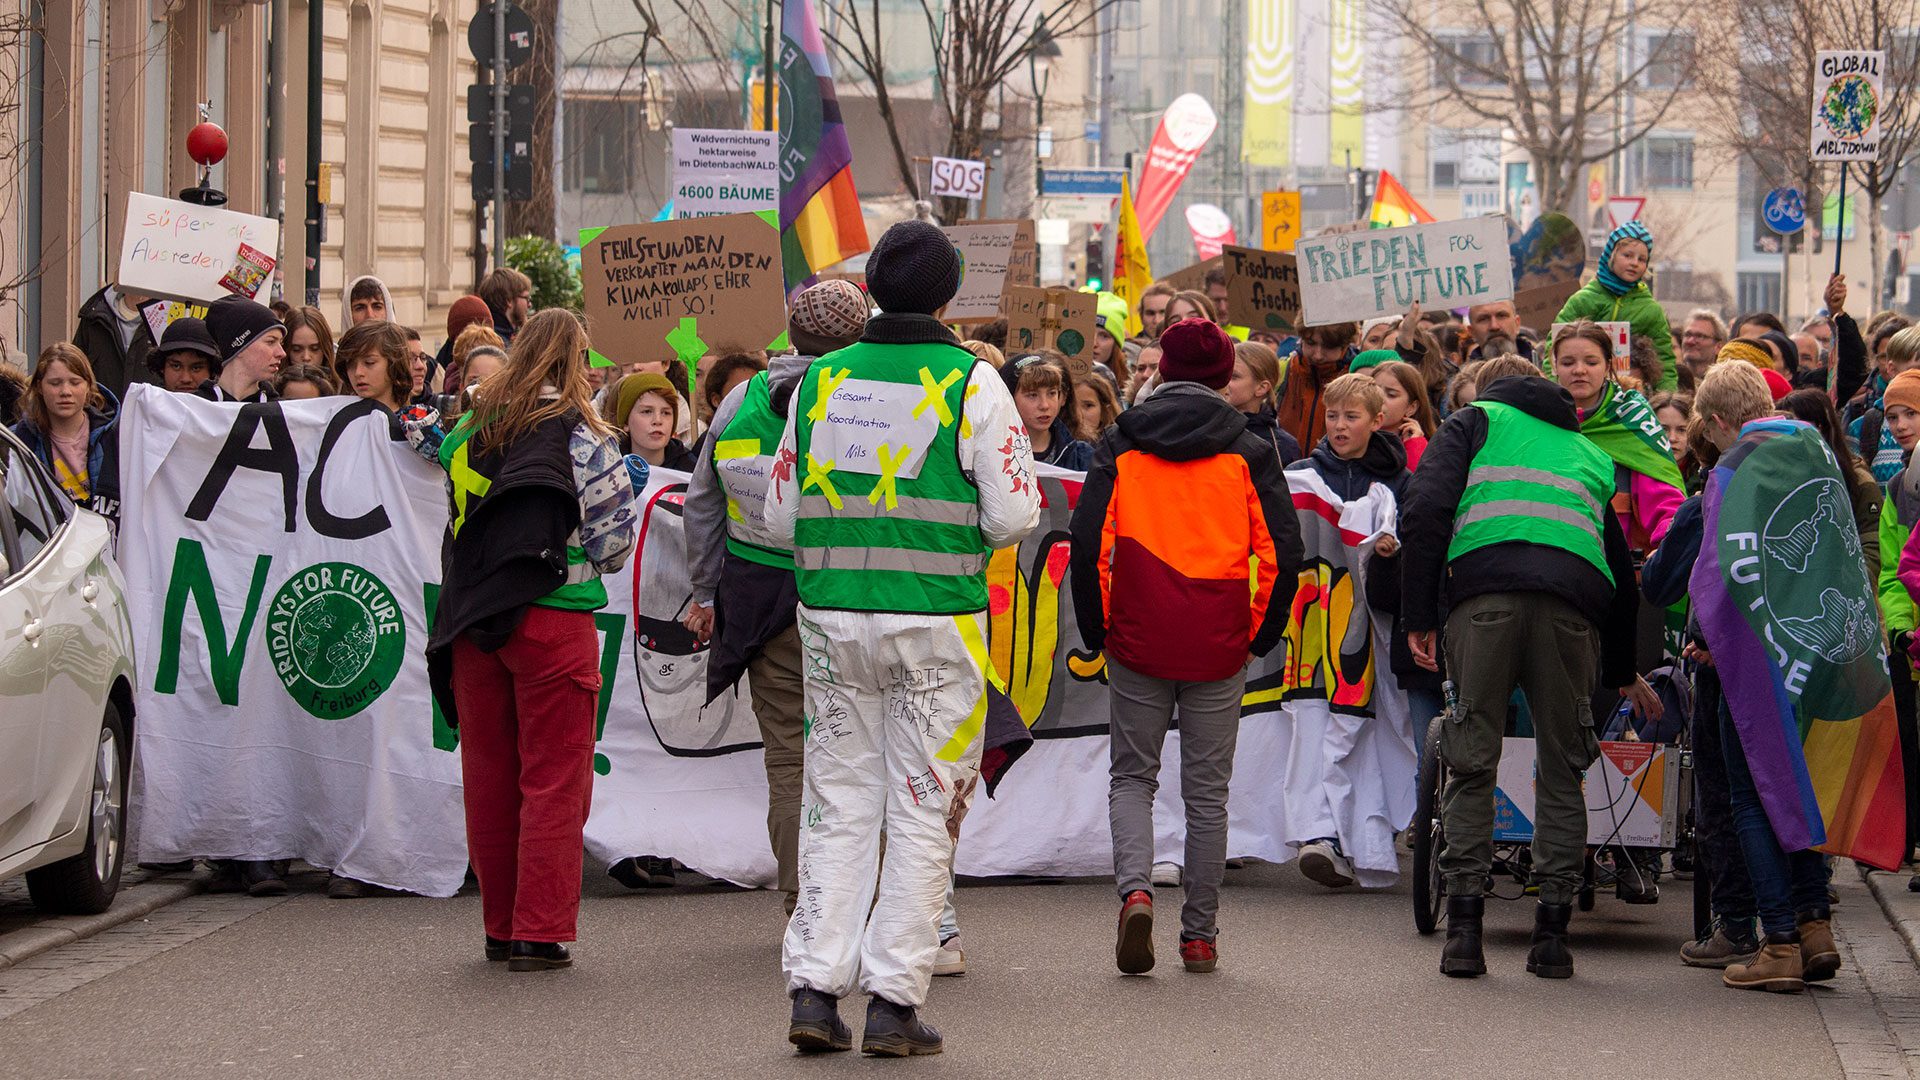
pixel 1184 130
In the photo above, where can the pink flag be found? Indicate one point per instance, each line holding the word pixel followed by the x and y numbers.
pixel 1212 229
pixel 1184 130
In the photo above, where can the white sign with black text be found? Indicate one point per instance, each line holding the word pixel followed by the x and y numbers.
pixel 724 172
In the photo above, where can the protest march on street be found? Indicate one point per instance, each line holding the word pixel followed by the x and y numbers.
pixel 1433 562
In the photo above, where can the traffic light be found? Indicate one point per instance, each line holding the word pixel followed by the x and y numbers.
pixel 1096 264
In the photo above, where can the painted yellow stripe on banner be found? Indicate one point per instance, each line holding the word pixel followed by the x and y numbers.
pixel 969 729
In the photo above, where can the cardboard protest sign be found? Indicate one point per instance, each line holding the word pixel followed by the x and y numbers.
pixel 1061 319
pixel 1548 259
pixel 1023 263
pixel 1847 103
pixel 1443 264
pixel 985 251
pixel 183 251
pixel 724 172
pixel 1540 305
pixel 683 288
pixel 1193 277
pixel 1263 289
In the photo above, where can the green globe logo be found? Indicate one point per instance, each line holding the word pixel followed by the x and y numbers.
pixel 1848 107
pixel 336 637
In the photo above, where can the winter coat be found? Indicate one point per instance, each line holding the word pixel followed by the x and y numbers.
pixel 115 365
pixel 1637 307
pixel 103 455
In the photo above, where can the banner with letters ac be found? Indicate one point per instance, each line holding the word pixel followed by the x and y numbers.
pixel 281 561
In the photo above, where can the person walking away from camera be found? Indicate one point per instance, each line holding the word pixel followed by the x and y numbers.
pixel 1179 603
pixel 903 466
pixel 541 508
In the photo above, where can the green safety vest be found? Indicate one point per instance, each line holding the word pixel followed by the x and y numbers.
pixel 584 590
pixel 1510 497
pixel 742 461
pixel 887 520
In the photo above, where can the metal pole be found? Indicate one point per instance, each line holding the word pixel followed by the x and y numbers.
pixel 316 213
pixel 766 75
pixel 1786 261
pixel 499 133
pixel 277 20
pixel 1840 229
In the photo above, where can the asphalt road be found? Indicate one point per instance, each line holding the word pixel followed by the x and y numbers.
pixel 687 984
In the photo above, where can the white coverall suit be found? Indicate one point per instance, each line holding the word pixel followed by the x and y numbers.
pixel 886 695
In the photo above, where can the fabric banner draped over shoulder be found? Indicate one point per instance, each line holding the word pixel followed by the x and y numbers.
pixel 1782 596
pixel 1623 425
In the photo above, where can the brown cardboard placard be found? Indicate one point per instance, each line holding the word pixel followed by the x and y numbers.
pixel 1263 289
pixel 1192 278
pixel 1023 265
pixel 1540 305
pixel 684 288
pixel 1061 319
pixel 985 254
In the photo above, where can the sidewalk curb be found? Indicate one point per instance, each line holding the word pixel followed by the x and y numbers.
pixel 1901 907
pixel 134 903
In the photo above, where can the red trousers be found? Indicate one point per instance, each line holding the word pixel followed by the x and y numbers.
pixel 526 757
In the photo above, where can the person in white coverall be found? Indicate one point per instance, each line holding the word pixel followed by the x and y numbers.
pixel 902 467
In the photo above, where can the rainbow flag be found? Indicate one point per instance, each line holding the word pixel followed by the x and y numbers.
pixel 1393 207
pixel 820 222
pixel 1782 596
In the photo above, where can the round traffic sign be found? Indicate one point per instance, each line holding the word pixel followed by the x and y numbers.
pixel 1785 211
pixel 519 35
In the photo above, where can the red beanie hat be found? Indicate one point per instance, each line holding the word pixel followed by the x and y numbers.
pixel 464 313
pixel 1777 385
pixel 1195 350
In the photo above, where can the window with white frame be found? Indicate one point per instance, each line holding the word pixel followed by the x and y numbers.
pixel 1462 156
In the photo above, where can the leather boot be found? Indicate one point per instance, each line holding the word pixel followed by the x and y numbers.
pixel 537 956
pixel 1550 958
pixel 816 1027
pixel 1462 958
pixel 1777 969
pixel 897 1031
pixel 1819 956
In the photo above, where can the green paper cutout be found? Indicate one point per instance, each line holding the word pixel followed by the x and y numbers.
pixel 588 236
pixel 596 359
pixel 686 341
pixel 780 344
pixel 771 217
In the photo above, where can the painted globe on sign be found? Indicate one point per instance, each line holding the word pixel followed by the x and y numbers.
pixel 1849 106
pixel 333 637
pixel 1808 536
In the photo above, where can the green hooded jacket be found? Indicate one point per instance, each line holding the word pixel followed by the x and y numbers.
pixel 1637 307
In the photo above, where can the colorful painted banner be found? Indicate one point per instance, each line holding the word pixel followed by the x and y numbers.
pixel 1183 132
pixel 1848 100
pixel 1266 132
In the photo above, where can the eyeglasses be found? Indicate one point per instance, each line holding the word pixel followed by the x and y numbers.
pixel 1695 335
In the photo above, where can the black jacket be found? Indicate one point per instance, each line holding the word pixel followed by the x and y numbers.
pixel 1431 583
pixel 1385 461
pixel 1266 426
pixel 511 551
pixel 1851 362
pixel 97 333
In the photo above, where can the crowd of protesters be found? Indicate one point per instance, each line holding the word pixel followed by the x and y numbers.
pixel 1542 496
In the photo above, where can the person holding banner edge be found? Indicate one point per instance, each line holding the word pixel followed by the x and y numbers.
pixel 541 507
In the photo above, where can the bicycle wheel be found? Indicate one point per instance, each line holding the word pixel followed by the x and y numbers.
pixel 1429 890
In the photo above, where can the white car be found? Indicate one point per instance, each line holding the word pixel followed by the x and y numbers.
pixel 66 693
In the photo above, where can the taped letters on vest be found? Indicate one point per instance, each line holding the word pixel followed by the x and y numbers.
pixel 878 428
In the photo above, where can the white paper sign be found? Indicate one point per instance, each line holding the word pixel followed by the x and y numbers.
pixel 877 428
pixel 1349 277
pixel 958 178
pixel 984 253
pixel 181 251
pixel 724 172
pixel 1847 103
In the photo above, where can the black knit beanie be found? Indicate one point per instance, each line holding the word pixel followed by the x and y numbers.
pixel 235 321
pixel 913 269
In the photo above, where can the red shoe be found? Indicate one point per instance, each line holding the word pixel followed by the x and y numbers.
pixel 1134 949
pixel 1199 956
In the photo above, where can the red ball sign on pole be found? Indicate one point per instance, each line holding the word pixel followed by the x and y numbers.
pixel 207 144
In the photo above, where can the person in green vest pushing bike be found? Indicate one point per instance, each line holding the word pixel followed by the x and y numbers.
pixel 743 590
pixel 903 466
pixel 1508 516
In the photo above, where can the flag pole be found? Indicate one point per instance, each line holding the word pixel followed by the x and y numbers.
pixel 766 74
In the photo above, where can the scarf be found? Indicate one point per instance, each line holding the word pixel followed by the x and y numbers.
pixel 1624 426
pixel 1610 281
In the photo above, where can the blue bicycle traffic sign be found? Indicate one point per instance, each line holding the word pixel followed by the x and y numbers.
pixel 1785 211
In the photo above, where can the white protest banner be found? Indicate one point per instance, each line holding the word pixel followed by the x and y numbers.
pixel 1847 103
pixel 958 178
pixel 985 253
pixel 724 172
pixel 183 251
pixel 280 561
pixel 1349 277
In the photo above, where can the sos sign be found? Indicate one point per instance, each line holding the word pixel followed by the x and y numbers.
pixel 959 178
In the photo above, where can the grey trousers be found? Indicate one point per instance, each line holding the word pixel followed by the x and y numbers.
pixel 1209 727
pixel 1539 643
pixel 774 678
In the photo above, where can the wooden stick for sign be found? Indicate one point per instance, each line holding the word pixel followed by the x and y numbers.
pixel 1840 230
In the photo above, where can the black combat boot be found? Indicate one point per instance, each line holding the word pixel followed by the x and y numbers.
pixel 816 1027
pixel 897 1031
pixel 1550 957
pixel 1462 958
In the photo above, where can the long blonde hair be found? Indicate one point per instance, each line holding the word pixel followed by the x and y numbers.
pixel 549 355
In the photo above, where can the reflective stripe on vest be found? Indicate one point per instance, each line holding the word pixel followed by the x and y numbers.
pixel 887 520
pixel 742 462
pixel 1507 499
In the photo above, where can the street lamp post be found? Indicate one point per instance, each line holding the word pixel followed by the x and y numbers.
pixel 1041 54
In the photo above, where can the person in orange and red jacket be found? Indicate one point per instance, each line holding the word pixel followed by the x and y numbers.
pixel 1325 354
pixel 1165 594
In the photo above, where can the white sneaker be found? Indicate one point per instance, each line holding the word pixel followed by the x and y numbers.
pixel 950 960
pixel 1321 862
pixel 1166 874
